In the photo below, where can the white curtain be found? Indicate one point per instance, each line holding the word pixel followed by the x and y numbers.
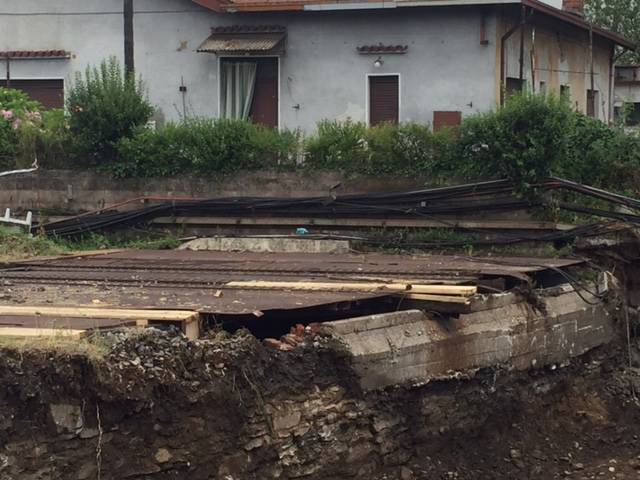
pixel 237 85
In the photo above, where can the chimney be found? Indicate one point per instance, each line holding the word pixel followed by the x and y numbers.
pixel 576 7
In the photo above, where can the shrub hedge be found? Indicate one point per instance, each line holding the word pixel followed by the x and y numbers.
pixel 527 140
pixel 206 147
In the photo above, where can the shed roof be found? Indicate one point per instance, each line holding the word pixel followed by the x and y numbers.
pixel 244 38
pixel 300 5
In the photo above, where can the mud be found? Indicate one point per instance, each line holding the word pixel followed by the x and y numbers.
pixel 156 406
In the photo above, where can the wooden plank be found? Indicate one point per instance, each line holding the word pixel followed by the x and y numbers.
pixel 191 329
pixel 64 256
pixel 40 332
pixel 437 298
pixel 353 287
pixel 97 312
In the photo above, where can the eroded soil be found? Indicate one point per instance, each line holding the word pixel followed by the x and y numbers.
pixel 154 406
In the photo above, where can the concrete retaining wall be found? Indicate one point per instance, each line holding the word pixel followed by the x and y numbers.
pixel 410 346
pixel 64 191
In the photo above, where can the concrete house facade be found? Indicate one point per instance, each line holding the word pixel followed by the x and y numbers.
pixel 292 63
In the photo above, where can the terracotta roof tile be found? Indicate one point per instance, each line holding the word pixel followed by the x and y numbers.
pixel 380 48
pixel 35 54
pixel 249 29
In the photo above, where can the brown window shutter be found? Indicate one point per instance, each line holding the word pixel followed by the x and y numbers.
pixel 384 104
pixel 50 93
pixel 446 120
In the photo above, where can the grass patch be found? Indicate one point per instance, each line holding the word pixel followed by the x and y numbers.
pixel 94 347
pixel 15 244
pixel 451 241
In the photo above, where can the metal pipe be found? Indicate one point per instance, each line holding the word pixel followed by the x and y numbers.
pixel 8 58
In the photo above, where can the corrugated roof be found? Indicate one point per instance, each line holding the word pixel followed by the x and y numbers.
pixel 238 39
pixel 35 54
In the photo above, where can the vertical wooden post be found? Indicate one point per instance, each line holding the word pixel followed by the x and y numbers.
pixel 129 63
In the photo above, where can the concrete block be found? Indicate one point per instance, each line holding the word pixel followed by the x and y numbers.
pixel 268 245
pixel 411 347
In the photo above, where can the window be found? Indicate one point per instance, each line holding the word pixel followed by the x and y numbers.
pixel 514 85
pixel 50 93
pixel 543 87
pixel 629 113
pixel 592 103
pixel 565 91
pixel 384 99
pixel 249 89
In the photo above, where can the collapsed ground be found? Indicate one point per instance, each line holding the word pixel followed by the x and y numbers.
pixel 226 407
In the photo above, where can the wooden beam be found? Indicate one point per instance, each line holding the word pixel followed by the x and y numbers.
pixel 437 298
pixel 40 332
pixel 65 256
pixel 353 287
pixel 98 312
pixel 129 55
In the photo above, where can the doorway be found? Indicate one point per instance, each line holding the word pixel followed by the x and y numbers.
pixel 249 89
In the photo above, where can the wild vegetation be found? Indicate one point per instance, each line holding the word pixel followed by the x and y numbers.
pixel 16 244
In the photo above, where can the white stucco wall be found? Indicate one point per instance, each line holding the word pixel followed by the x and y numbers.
pixel 446 67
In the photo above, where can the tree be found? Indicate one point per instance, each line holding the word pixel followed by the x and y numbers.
pixel 619 16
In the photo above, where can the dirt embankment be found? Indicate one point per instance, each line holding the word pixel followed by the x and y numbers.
pixel 159 407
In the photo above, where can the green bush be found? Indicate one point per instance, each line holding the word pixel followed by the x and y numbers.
pixel 17 102
pixel 8 142
pixel 105 105
pixel 405 150
pixel 204 146
pixel 338 146
pixel 525 141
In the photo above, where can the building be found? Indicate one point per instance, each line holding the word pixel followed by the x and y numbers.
pixel 627 94
pixel 292 63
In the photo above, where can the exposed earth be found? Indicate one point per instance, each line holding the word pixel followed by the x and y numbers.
pixel 155 406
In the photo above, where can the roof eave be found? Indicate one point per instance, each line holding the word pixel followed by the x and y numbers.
pixel 579 22
pixel 304 5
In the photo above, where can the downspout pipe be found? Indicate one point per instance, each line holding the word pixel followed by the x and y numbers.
pixel 8 59
pixel 503 50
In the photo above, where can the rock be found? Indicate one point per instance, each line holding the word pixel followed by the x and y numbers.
pixel 578 466
pixel 286 420
pixel 89 433
pixel 87 471
pixel 67 418
pixel 163 455
pixel 253 444
pixel 406 473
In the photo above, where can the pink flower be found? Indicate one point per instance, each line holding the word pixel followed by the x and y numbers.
pixel 7 115
pixel 16 123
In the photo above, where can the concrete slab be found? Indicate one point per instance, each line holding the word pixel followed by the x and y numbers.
pixel 411 347
pixel 268 245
